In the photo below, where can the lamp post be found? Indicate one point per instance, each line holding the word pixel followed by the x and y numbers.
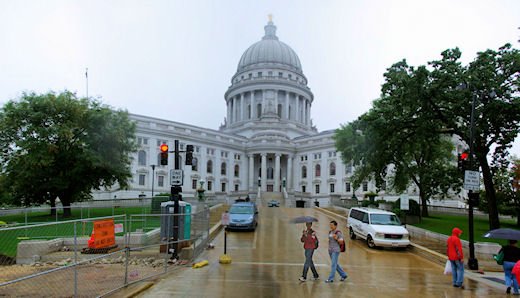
pixel 153 178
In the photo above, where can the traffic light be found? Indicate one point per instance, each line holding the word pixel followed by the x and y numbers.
pixel 189 155
pixel 164 154
pixel 462 161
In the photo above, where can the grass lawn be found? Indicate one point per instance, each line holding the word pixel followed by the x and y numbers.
pixel 443 224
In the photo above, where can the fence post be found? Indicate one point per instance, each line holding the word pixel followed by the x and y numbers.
pixel 127 256
pixel 75 260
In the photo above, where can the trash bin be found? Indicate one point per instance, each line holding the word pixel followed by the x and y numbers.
pixel 316 203
pixel 300 204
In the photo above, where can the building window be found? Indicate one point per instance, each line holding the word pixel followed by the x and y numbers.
pixel 347 187
pixel 258 110
pixel 250 75
pixel 210 151
pixel 270 173
pixel 224 154
pixel 304 172
pixel 223 169
pixel 332 188
pixel 141 158
pixel 279 112
pixel 317 170
pixel 159 158
pixel 270 73
pixel 259 74
pixel 209 167
pixel 223 187
pixel 236 187
pixel 142 141
pixel 365 186
pixel 317 188
pixel 348 169
pixel 194 184
pixel 304 188
pixel 248 111
pixel 332 169
pixel 160 181
pixel 280 74
pixel 142 179
pixel 237 171
pixel 317 155
pixel 237 156
pixel 194 165
pixel 210 185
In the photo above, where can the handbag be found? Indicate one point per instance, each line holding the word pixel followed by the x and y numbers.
pixel 499 258
pixel 447 268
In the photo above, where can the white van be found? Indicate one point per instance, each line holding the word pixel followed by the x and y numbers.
pixel 377 227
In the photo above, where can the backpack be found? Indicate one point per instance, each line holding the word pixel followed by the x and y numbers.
pixel 341 244
pixel 316 243
pixel 499 258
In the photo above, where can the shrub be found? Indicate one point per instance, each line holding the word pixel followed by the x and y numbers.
pixel 415 209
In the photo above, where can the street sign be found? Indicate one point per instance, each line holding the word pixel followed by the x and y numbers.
pixel 405 202
pixel 472 180
pixel 176 177
pixel 225 219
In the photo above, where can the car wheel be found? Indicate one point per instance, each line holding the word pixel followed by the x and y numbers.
pixel 352 234
pixel 370 242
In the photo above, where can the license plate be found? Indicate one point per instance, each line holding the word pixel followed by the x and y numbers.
pixel 395 244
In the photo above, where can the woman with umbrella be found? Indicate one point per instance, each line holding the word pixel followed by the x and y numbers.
pixel 511 256
pixel 310 243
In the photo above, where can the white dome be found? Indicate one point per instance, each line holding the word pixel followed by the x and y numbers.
pixel 270 51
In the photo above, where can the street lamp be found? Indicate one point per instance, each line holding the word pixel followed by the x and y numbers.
pixel 153 178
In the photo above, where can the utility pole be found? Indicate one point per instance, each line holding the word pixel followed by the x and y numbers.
pixel 176 196
pixel 472 196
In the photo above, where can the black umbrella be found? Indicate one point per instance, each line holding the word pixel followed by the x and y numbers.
pixel 303 219
pixel 508 234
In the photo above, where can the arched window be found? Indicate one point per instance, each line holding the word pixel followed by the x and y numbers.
pixel 209 167
pixel 141 158
pixel 304 172
pixel 194 164
pixel 279 111
pixel 317 171
pixel 332 169
pixel 270 173
pixel 237 171
pixel 223 169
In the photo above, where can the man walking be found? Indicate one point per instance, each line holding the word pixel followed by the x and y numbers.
pixel 456 257
pixel 335 240
pixel 310 243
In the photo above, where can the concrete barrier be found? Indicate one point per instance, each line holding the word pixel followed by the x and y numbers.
pixel 30 251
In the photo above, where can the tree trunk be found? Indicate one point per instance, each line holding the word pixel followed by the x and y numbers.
pixel 518 219
pixel 66 208
pixel 53 206
pixel 424 203
pixel 494 222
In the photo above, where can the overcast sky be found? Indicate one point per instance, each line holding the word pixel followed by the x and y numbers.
pixel 174 59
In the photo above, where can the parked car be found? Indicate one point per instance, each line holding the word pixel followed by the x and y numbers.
pixel 243 216
pixel 273 203
pixel 377 227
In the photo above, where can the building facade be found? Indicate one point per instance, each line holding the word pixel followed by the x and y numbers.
pixel 267 143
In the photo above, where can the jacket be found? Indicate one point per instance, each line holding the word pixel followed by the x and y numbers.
pixel 309 239
pixel 454 246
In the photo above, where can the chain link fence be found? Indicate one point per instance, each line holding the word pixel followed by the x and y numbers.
pixel 53 259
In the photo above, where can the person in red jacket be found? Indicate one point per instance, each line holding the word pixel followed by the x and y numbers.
pixel 310 243
pixel 456 257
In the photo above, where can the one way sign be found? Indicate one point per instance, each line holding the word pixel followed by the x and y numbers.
pixel 176 177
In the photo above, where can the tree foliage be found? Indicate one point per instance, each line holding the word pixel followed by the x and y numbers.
pixel 60 146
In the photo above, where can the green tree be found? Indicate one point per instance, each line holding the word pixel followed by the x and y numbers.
pixel 394 141
pixel 493 78
pixel 60 146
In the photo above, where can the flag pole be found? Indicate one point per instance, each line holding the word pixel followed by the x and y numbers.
pixel 86 79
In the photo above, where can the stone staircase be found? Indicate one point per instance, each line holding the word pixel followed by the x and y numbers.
pixel 268 196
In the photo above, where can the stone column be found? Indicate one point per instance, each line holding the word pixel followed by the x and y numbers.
pixel 297 109
pixel 264 172
pixel 276 101
pixel 289 173
pixel 241 107
pixel 263 104
pixel 277 172
pixel 251 172
pixel 253 108
pixel 287 105
pixel 228 119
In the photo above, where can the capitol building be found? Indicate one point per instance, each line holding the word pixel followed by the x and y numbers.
pixel 267 145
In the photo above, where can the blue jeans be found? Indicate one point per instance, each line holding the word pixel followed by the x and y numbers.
pixel 510 277
pixel 335 266
pixel 457 272
pixel 309 263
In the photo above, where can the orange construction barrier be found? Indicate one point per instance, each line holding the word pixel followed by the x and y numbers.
pixel 103 235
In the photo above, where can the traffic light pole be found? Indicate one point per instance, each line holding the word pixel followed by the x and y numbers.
pixel 175 193
pixel 472 196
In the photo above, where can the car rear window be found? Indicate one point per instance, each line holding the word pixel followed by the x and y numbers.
pixel 241 209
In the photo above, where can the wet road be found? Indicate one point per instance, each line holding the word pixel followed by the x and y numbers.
pixel 268 263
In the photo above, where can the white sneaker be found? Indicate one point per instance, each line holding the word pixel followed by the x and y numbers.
pixel 302 279
pixel 315 278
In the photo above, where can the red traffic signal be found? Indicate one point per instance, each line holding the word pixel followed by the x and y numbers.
pixel 164 148
pixel 164 154
pixel 464 155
